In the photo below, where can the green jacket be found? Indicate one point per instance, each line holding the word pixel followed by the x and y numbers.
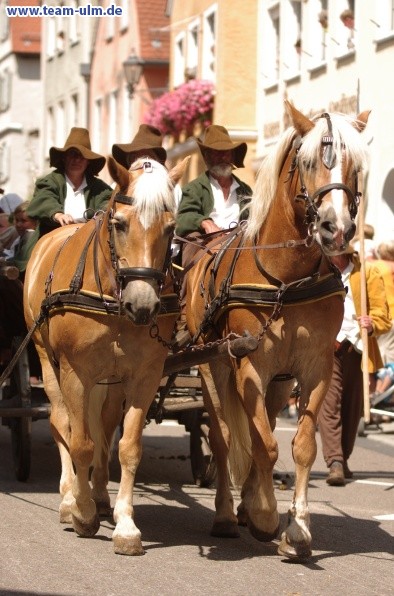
pixel 197 203
pixel 49 198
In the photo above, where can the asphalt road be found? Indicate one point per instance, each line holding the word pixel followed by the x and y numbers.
pixel 352 528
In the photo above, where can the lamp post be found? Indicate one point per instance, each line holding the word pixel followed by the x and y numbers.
pixel 133 68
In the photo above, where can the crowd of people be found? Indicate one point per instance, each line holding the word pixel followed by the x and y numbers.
pixel 73 191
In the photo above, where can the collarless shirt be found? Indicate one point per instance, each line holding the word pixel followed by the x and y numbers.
pixel 225 211
pixel 350 329
pixel 75 204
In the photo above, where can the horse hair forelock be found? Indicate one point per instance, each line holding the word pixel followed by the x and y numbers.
pixel 346 139
pixel 153 193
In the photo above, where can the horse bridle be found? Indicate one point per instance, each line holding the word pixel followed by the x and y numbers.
pixel 125 274
pixel 329 160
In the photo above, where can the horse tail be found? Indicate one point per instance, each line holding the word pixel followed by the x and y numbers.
pixel 96 400
pixel 240 452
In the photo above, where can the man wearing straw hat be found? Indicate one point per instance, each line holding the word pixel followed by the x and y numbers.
pixel 341 409
pixel 72 192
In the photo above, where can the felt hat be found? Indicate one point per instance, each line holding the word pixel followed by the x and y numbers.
pixel 216 138
pixel 77 139
pixel 147 138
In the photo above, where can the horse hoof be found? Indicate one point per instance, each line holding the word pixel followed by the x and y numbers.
pixel 297 552
pixel 225 529
pixel 260 535
pixel 86 529
pixel 125 546
pixel 65 515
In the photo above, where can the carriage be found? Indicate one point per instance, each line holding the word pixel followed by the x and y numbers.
pixel 264 307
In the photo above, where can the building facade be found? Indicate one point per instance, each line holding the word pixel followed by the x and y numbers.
pixel 20 101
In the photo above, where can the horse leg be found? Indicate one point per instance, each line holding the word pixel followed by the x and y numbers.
pixel 258 508
pixel 84 515
pixel 225 522
pixel 126 536
pixel 105 413
pixel 296 539
pixel 60 428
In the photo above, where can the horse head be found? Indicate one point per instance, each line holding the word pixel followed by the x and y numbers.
pixel 327 157
pixel 141 222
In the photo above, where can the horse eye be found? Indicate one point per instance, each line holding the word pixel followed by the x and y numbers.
pixel 119 223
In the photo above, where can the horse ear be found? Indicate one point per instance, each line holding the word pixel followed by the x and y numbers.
pixel 300 122
pixel 118 173
pixel 361 121
pixel 177 171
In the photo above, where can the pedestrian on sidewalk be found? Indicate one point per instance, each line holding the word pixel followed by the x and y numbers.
pixel 341 409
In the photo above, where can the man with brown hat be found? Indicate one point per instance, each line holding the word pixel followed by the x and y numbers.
pixel 217 198
pixel 72 192
pixel 146 143
pixel 213 201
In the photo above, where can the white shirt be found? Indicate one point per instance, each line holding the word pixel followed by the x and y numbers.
pixel 75 204
pixel 225 212
pixel 350 328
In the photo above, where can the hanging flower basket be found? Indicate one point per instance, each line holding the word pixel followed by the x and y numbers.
pixel 180 110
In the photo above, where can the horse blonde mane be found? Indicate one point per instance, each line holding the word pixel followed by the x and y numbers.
pixel 347 139
pixel 153 192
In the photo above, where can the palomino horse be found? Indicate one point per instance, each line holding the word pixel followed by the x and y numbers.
pixel 272 278
pixel 95 294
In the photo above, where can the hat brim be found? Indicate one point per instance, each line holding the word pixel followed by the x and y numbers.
pixel 239 149
pixel 96 161
pixel 121 153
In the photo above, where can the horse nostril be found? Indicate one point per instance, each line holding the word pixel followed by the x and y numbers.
pixel 329 226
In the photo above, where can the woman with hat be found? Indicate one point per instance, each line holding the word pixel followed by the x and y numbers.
pixel 217 198
pixel 72 192
pixel 146 143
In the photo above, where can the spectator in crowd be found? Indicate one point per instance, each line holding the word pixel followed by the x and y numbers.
pixel 72 192
pixel 9 202
pixel 383 259
pixel 342 407
pixel 8 233
pixel 20 250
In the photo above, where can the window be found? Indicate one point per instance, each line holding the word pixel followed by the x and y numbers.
pixel 74 111
pixel 292 42
pixel 271 47
pixel 179 59
pixel 124 19
pixel 73 24
pixel 60 34
pixel 60 125
pixel 4 162
pixel 318 38
pixel 343 28
pixel 5 90
pixel 112 118
pixel 4 23
pixel 383 18
pixel 209 45
pixel 192 51
pixel 97 124
pixel 50 132
pixel 50 24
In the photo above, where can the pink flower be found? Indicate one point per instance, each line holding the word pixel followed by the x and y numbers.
pixel 179 110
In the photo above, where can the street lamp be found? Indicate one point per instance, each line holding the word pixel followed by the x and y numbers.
pixel 133 67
